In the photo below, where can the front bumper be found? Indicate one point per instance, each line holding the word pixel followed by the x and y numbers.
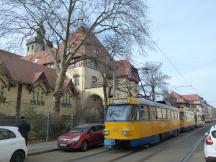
pixel 69 146
pixel 109 143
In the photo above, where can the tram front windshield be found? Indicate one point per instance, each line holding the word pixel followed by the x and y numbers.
pixel 121 113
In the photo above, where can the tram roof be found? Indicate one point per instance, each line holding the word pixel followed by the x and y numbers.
pixel 130 100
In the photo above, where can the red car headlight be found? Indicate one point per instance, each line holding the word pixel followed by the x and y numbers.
pixel 75 139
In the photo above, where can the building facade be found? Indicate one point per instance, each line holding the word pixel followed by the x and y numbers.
pixel 27 83
pixel 27 86
pixel 194 102
pixel 87 74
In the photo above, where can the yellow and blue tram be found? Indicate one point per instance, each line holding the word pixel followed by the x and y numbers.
pixel 198 119
pixel 138 121
pixel 187 119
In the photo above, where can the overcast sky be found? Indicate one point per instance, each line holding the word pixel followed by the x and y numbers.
pixel 186 31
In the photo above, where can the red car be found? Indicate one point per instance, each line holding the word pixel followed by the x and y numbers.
pixel 82 137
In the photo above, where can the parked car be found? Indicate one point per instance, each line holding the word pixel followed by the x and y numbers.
pixel 12 144
pixel 210 145
pixel 82 137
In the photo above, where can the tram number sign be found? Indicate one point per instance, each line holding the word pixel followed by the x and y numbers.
pixel 118 101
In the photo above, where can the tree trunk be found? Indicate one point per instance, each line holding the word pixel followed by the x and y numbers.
pixel 105 96
pixel 105 100
pixel 58 93
pixel 153 93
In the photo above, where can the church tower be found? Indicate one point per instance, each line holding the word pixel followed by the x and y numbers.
pixel 36 43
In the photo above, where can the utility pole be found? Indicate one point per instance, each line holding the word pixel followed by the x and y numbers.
pixel 114 84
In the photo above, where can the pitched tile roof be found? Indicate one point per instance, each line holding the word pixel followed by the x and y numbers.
pixel 39 57
pixel 90 47
pixel 24 71
pixel 125 69
pixel 192 97
pixel 184 98
pixel 179 98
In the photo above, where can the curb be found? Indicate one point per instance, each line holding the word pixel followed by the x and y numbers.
pixel 42 151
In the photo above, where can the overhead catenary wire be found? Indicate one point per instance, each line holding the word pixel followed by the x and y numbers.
pixel 173 65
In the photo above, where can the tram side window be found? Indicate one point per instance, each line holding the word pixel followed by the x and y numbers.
pixel 153 115
pixel 189 115
pixel 164 113
pixel 133 114
pixel 192 115
pixel 144 113
pixel 168 114
pixel 186 115
pixel 177 115
pixel 172 114
pixel 159 113
pixel 181 115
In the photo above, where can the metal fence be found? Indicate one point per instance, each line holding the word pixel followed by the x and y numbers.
pixel 42 128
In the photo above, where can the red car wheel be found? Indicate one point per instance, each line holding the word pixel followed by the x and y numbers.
pixel 84 146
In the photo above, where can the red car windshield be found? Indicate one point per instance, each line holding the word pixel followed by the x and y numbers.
pixel 79 130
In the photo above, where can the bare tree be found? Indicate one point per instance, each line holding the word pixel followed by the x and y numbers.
pixel 164 92
pixel 154 81
pixel 56 20
pixel 116 48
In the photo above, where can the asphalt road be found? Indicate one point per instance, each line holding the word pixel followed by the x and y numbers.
pixel 185 147
pixel 198 155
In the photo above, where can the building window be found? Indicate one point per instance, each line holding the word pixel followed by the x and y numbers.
pixel 93 65
pixel 38 96
pixel 93 82
pixel 117 84
pixel 76 80
pixel 77 64
pixel 66 100
pixel 2 93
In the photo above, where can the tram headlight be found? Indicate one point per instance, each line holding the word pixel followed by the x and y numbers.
pixel 125 132
pixel 105 132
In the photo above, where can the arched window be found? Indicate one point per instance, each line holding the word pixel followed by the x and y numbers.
pixel 76 80
pixel 67 99
pixel 2 93
pixel 93 82
pixel 38 96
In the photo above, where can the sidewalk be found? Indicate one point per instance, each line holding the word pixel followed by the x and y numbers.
pixel 38 148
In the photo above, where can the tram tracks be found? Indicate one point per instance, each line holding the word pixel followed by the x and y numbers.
pixel 158 150
pixel 146 158
pixel 87 156
pixel 187 155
